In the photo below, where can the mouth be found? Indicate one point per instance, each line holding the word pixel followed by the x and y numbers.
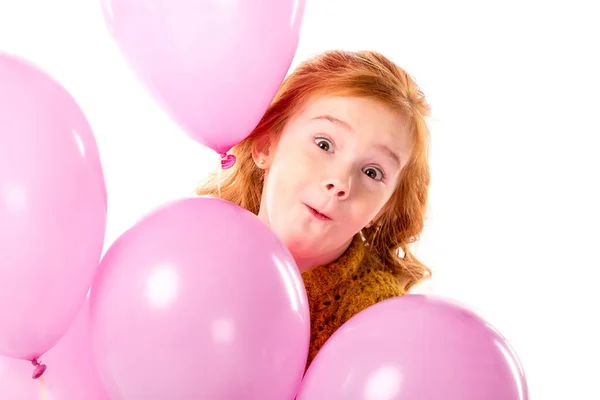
pixel 318 215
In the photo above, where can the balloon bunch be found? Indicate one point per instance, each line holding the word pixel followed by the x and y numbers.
pixel 172 311
pixel 199 299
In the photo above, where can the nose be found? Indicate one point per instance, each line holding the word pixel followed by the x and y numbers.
pixel 338 187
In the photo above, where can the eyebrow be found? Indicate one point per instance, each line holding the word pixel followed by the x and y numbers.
pixel 390 154
pixel 385 149
pixel 335 121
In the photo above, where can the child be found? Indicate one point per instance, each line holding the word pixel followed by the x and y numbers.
pixel 338 169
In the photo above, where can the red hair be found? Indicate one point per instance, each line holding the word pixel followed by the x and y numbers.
pixel 363 74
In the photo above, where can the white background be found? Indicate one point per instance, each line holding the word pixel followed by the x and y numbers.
pixel 514 201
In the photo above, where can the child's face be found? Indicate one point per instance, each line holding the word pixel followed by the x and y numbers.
pixel 340 156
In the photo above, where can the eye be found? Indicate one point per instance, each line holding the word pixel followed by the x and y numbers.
pixel 324 144
pixel 374 173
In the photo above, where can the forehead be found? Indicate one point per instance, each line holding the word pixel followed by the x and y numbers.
pixel 372 122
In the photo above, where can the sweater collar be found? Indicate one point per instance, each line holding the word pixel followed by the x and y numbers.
pixel 344 268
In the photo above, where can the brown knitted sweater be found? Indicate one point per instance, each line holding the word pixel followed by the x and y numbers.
pixel 340 290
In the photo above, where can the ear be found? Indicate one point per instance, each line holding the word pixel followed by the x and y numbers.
pixel 261 151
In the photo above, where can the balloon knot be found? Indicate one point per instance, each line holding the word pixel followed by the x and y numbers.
pixel 38 370
pixel 227 160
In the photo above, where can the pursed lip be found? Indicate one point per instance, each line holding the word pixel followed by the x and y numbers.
pixel 319 213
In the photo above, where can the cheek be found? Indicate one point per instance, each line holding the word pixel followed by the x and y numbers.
pixel 368 206
pixel 292 169
pixel 362 216
pixel 282 181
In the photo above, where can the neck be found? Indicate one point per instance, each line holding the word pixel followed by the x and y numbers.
pixel 306 263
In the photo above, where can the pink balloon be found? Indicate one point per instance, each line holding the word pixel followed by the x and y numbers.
pixel 52 209
pixel 415 347
pixel 213 65
pixel 71 374
pixel 200 300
